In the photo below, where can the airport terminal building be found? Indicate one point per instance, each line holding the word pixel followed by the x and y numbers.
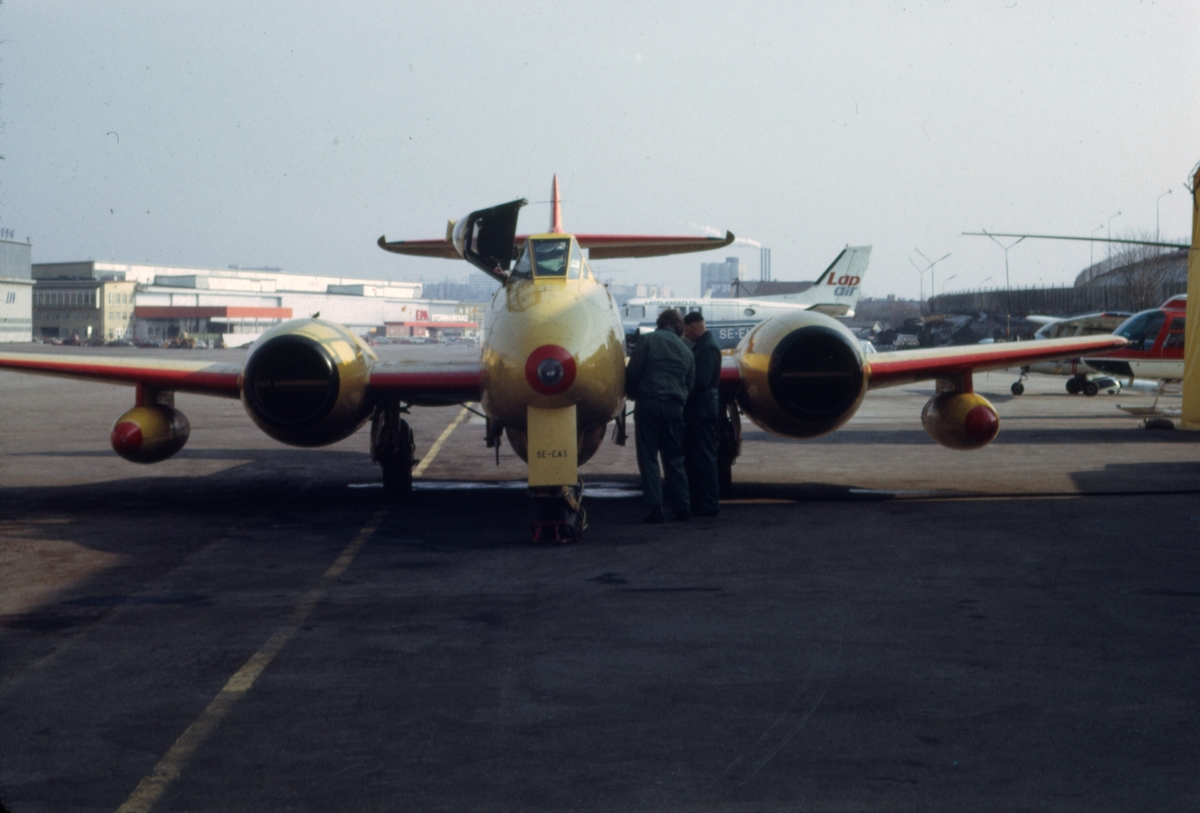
pixel 99 302
pixel 16 292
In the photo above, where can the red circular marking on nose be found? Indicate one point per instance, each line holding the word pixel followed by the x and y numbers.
pixel 126 437
pixel 982 424
pixel 559 354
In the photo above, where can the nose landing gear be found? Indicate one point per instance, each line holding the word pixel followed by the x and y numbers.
pixel 558 516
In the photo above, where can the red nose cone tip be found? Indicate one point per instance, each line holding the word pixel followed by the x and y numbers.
pixel 127 437
pixel 982 424
pixel 549 383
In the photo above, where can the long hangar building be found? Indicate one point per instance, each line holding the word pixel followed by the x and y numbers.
pixel 102 301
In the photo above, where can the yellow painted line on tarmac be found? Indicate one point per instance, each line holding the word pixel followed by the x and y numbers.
pixel 437 444
pixel 168 769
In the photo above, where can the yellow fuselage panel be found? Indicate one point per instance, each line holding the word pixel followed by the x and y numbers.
pixel 577 315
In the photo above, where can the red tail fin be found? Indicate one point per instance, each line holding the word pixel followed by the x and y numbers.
pixel 555 209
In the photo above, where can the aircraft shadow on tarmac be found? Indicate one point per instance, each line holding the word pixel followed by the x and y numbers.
pixel 1134 433
pixel 1165 477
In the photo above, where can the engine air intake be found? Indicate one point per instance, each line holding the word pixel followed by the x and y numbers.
pixel 815 375
pixel 291 382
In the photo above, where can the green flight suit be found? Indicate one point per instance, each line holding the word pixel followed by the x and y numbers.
pixel 659 378
pixel 701 419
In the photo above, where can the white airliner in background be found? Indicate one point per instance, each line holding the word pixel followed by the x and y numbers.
pixel 835 293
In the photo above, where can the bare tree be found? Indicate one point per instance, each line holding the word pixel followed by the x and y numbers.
pixel 1140 271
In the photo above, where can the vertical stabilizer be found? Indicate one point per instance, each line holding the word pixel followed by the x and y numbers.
pixel 837 290
pixel 555 209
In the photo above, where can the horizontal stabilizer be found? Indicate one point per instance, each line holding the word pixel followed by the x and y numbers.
pixel 600 246
pixel 421 248
pixel 620 246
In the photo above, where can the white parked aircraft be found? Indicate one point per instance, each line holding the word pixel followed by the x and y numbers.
pixel 835 293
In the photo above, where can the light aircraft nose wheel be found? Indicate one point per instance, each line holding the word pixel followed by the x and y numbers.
pixel 1018 386
pixel 392 447
pixel 558 516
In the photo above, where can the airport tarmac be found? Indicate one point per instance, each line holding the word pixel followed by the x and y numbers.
pixel 872 623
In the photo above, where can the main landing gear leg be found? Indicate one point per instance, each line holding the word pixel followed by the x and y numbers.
pixel 558 515
pixel 1018 386
pixel 729 446
pixel 392 447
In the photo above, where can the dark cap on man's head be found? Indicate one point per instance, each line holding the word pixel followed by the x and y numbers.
pixel 693 317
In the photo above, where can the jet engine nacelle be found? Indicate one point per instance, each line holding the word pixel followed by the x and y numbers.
pixel 803 374
pixel 148 434
pixel 304 383
pixel 960 420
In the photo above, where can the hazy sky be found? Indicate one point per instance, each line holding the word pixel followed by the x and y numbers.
pixel 294 134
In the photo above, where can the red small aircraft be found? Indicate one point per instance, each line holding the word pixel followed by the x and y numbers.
pixel 1155 349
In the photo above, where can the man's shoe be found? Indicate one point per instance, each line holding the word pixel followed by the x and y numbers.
pixel 655 516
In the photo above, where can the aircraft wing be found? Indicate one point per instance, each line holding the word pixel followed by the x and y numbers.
pixel 203 377
pixel 619 246
pixel 426 384
pixel 907 366
pixel 415 383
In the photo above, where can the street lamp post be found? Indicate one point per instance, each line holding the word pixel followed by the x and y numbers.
pixel 1007 283
pixel 1092 247
pixel 1156 202
pixel 947 279
pixel 929 268
pixel 1110 220
pixel 921 274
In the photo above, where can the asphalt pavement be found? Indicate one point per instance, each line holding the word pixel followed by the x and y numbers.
pixel 873 622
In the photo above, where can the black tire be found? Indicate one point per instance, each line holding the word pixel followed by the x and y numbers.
pixel 397 479
pixel 1073 386
pixel 1091 388
pixel 397 471
pixel 1017 388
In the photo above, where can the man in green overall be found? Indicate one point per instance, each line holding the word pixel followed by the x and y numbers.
pixel 659 377
pixel 701 417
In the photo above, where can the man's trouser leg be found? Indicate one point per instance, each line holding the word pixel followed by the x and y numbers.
pixel 671 445
pixel 645 432
pixel 700 435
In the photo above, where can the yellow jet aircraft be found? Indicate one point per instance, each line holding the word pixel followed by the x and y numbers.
pixel 551 375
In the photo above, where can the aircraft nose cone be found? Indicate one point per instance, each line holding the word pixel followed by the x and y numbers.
pixel 550 369
pixel 126 437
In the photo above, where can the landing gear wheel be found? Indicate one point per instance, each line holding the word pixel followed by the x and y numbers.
pixel 1017 388
pixel 392 447
pixel 1091 388
pixel 1074 386
pixel 558 516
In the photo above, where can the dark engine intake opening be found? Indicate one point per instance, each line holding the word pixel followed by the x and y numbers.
pixel 815 375
pixel 291 382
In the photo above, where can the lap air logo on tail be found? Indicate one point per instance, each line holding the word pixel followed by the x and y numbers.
pixel 846 285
